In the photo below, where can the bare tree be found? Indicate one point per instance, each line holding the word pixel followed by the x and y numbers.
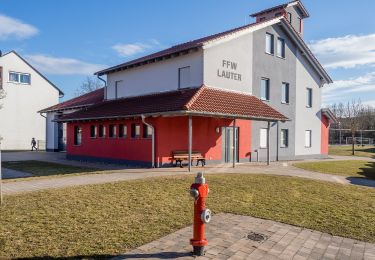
pixel 351 114
pixel 88 85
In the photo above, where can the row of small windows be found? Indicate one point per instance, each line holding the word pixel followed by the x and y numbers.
pixel 114 131
pixel 280 45
pixel 284 138
pixel 265 92
pixel 18 77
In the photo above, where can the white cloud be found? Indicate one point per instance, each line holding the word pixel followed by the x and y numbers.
pixel 13 28
pixel 62 66
pixel 130 49
pixel 345 52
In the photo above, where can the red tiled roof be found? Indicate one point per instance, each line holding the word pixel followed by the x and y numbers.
pixel 174 49
pixel 88 99
pixel 200 101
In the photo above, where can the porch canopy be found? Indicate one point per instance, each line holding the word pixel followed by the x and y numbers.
pixel 200 101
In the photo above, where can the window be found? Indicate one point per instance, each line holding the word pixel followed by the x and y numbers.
pixel 17 77
pixel 269 43
pixel 284 138
pixel 285 93
pixel 263 138
pixel 101 131
pixel 184 77
pixel 147 131
pixel 265 89
pixel 136 130
pixel 280 51
pixel 309 97
pixel 262 19
pixel 308 138
pixel 93 131
pixel 300 24
pixel 77 135
pixel 123 131
pixel 112 131
pixel 290 17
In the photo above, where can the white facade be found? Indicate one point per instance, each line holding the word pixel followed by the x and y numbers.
pixel 20 120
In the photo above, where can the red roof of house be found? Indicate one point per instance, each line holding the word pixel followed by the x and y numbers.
pixel 85 100
pixel 205 101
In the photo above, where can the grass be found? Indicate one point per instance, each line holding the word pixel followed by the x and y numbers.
pixel 39 168
pixel 346 150
pixel 361 169
pixel 98 221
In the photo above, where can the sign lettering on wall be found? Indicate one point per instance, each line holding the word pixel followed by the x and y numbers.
pixel 228 71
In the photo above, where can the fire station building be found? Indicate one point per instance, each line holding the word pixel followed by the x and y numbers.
pixel 252 93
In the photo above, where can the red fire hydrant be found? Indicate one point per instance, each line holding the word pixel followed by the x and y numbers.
pixel 199 191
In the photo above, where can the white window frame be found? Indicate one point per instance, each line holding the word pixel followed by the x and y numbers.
pixel 309 97
pixel 308 138
pixel 184 80
pixel 263 132
pixel 19 74
pixel 280 49
pixel 270 37
pixel 267 94
pixel 285 90
pixel 124 130
pixel 77 135
pixel 284 138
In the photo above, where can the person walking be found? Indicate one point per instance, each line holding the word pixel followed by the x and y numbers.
pixel 33 144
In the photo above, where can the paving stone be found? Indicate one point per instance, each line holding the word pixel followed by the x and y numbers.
pixel 227 235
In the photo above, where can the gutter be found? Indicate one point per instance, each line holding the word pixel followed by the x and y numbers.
pixel 105 86
pixel 152 141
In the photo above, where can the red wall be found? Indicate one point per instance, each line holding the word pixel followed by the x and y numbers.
pixel 324 135
pixel 171 133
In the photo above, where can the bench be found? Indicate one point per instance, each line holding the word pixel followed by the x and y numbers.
pixel 180 156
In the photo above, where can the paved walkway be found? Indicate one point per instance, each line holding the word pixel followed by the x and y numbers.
pixel 230 236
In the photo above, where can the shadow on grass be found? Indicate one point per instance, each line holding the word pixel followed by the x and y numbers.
pixel 361 182
pixel 369 171
pixel 161 255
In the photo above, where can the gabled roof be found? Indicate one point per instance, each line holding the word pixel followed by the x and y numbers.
pixel 61 94
pixel 82 101
pixel 283 6
pixel 202 101
pixel 174 51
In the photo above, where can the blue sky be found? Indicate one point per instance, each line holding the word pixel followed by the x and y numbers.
pixel 68 40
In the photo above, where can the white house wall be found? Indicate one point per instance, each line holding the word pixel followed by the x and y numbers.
pixel 232 59
pixel 19 118
pixel 155 77
pixel 307 118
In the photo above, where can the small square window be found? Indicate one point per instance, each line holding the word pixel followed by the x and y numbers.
pixel 112 131
pixel 93 131
pixel 284 138
pixel 14 77
pixel 25 78
pixel 285 93
pixel 265 89
pixel 269 43
pixel 77 135
pixel 136 131
pixel 101 131
pixel 123 131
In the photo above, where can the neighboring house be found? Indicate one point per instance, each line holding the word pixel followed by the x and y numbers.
pixel 251 93
pixel 56 132
pixel 27 92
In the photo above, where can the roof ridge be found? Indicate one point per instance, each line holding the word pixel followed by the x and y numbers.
pixel 188 105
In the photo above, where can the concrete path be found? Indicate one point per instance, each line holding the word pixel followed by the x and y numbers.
pixel 283 169
pixel 232 237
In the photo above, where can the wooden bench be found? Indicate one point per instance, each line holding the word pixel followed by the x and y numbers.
pixel 180 156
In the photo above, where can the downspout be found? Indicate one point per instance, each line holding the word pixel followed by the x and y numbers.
pixel 105 86
pixel 45 132
pixel 152 141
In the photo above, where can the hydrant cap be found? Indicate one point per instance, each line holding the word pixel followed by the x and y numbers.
pixel 200 178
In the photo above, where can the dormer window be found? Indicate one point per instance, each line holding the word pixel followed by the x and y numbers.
pixel 262 19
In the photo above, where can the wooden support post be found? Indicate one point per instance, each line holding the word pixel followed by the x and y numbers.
pixel 268 142
pixel 234 143
pixel 190 140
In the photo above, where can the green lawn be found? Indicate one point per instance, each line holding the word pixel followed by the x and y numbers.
pixel 362 169
pixel 346 150
pixel 39 168
pixel 104 220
